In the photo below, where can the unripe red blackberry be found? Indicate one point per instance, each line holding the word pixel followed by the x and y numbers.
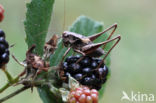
pixel 1 13
pixel 85 71
pixel 4 50
pixel 83 95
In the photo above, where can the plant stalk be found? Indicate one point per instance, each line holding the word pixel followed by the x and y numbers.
pixel 14 94
pixel 9 77
pixel 13 81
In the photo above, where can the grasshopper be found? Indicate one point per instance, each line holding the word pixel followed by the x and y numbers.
pixel 85 46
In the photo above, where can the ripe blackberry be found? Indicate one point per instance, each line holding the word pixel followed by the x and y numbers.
pixel 4 50
pixel 78 76
pixel 72 59
pixel 88 81
pixel 85 71
pixel 2 34
pixel 83 95
pixel 86 61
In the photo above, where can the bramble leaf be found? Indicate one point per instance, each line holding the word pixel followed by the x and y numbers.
pixel 37 21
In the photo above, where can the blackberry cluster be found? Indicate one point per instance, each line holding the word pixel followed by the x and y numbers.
pixel 85 71
pixel 4 49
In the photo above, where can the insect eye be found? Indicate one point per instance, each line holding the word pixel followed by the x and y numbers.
pixel 66 36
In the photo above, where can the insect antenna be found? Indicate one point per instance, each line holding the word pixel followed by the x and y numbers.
pixel 64 18
pixel 20 63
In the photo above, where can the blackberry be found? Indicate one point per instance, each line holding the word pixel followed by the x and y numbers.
pixel 85 71
pixel 98 61
pixel 94 64
pixel 4 50
pixel 2 34
pixel 71 59
pixel 67 74
pixel 65 65
pixel 78 76
pixel 87 81
pixel 75 67
pixel 85 62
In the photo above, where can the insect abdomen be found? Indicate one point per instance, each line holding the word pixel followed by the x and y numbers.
pixel 96 53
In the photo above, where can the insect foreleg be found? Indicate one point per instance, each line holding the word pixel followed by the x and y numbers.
pixel 65 54
pixel 22 73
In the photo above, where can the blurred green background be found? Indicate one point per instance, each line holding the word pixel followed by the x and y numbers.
pixel 133 60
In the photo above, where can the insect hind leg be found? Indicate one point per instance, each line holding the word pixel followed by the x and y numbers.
pixel 118 38
pixel 114 26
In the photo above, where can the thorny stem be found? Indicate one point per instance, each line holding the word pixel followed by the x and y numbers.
pixel 14 94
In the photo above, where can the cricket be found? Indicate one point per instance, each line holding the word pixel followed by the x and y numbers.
pixel 85 46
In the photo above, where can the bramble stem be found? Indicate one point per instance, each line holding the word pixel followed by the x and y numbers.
pixel 34 83
pixel 14 94
pixel 7 75
pixel 10 83
pixel 5 87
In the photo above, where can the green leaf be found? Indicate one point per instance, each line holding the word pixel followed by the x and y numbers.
pixel 47 96
pixel 86 26
pixel 37 21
